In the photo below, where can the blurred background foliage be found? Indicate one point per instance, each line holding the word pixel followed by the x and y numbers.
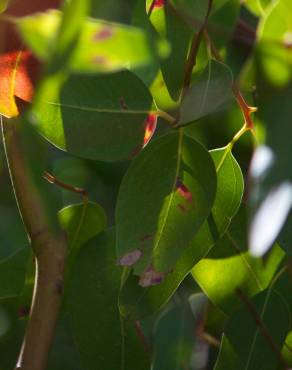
pixel 254 39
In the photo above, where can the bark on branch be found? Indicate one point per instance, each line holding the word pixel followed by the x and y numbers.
pixel 49 250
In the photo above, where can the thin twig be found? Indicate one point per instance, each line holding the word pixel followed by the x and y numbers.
pixel 262 327
pixel 151 8
pixel 191 60
pixel 142 338
pixel 246 109
pixel 54 180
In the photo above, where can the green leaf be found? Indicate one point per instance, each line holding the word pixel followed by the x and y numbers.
pixel 13 328
pixel 101 46
pixel 258 7
pixel 247 347
pixel 138 302
pixel 110 117
pixel 63 354
pixel 3 5
pixel 164 198
pixel 103 339
pixel 12 273
pixel 174 331
pixel 241 270
pixel 209 92
pixel 81 222
pixel 275 36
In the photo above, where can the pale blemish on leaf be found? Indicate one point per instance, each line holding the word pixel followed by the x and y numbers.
pixel 131 258
pixel 151 277
pixel 99 59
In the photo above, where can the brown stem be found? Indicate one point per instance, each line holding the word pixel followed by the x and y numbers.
pixel 53 180
pixel 142 338
pixel 246 109
pixel 151 8
pixel 49 250
pixel 191 60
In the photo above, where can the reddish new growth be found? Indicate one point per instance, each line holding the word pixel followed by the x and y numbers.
pixel 131 258
pixel 150 127
pixel 104 34
pixel 151 277
pixel 184 191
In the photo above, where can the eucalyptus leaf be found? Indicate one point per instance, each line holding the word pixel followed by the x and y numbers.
pixel 102 46
pixel 175 331
pixel 249 346
pixel 103 339
pixel 3 5
pixel 139 302
pixel 209 92
pixel 12 273
pixel 110 118
pixel 174 179
pixel 81 222
pixel 241 270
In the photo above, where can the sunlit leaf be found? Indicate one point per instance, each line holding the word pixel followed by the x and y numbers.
pixel 275 40
pixel 247 344
pixel 241 270
pixel 101 47
pixel 137 302
pixel 174 181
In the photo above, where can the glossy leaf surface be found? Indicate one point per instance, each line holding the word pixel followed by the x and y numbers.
pixel 110 117
pixel 82 222
pixel 180 197
pixel 137 302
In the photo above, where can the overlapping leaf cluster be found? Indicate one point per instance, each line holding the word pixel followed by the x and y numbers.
pixel 185 264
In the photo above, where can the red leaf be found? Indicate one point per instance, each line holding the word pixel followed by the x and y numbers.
pixel 18 70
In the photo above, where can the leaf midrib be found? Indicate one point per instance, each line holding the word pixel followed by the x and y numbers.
pixel 177 169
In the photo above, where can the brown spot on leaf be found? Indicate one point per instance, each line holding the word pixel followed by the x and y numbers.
pixel 182 207
pixel 99 59
pixel 183 190
pixel 131 258
pixel 104 34
pixel 23 311
pixel 146 237
pixel 123 103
